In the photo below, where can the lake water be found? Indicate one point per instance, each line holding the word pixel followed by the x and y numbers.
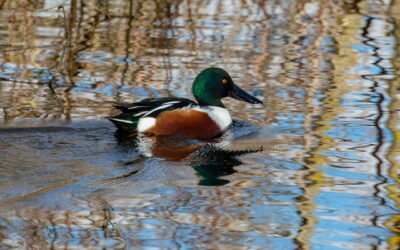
pixel 315 167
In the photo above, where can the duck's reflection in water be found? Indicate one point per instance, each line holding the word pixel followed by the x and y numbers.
pixel 210 159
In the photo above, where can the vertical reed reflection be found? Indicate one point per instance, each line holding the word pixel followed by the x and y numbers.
pixel 393 153
pixel 316 57
pixel 379 100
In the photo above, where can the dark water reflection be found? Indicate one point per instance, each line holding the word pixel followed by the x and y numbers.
pixel 327 174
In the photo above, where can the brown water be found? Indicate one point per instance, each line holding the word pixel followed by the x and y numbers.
pixel 315 167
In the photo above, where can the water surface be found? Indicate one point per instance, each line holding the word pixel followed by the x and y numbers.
pixel 314 167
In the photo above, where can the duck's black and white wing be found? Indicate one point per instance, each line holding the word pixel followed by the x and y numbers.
pixel 131 113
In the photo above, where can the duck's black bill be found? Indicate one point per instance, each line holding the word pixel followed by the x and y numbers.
pixel 241 95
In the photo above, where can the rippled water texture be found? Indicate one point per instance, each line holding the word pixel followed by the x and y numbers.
pixel 315 167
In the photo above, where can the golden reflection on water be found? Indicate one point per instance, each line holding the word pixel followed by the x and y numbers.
pixel 393 154
pixel 312 179
pixel 313 63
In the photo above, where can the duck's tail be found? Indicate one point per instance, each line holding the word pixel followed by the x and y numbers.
pixel 124 122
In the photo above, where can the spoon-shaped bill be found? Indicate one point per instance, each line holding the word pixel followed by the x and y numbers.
pixel 242 95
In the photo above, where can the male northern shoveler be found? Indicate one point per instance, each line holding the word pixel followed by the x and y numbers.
pixel 205 119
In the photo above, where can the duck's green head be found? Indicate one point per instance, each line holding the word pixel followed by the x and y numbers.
pixel 213 84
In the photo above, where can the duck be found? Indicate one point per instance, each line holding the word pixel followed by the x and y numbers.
pixel 169 116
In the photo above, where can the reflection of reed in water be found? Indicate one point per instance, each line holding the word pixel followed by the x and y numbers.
pixel 95 49
pixel 75 48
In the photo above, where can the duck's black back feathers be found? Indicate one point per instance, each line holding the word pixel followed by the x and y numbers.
pixel 131 113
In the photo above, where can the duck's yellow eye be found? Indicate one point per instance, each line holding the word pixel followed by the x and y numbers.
pixel 224 81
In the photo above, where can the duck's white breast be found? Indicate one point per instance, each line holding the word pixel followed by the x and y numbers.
pixel 219 115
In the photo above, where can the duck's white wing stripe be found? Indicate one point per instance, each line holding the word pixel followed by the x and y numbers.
pixel 120 120
pixel 164 106
pixel 172 102
pixel 158 108
pixel 136 107
pixel 140 113
pixel 167 104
